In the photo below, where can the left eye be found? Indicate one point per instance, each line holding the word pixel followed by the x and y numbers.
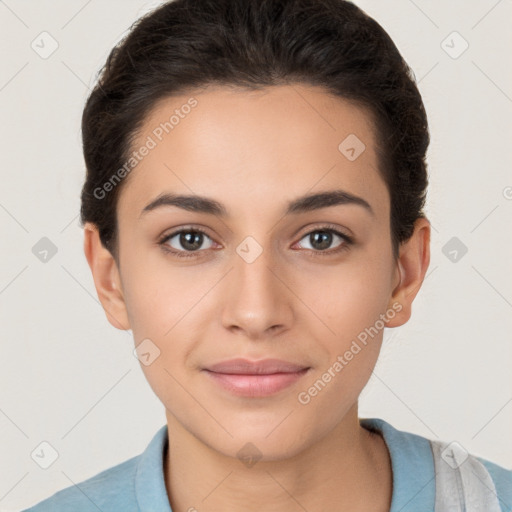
pixel 321 239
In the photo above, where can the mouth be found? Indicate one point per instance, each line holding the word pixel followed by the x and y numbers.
pixel 255 378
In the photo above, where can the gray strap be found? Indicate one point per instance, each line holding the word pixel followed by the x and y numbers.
pixel 463 483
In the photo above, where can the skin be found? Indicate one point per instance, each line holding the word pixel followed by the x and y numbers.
pixel 254 152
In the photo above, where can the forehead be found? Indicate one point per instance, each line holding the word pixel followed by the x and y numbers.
pixel 275 143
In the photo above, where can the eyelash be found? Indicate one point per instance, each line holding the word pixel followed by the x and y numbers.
pixel 348 241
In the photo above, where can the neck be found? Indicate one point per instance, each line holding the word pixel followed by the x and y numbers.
pixel 349 467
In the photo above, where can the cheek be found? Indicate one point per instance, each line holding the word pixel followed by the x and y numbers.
pixel 352 297
pixel 350 301
pixel 350 305
pixel 162 311
pixel 167 307
pixel 149 308
pixel 157 294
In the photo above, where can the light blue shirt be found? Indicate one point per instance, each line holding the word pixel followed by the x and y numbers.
pixel 137 485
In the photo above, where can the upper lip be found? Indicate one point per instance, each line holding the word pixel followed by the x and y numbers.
pixel 262 367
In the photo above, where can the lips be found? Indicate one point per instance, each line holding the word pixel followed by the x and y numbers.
pixel 241 366
pixel 255 379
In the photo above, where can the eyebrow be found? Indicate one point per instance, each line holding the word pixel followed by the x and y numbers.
pixel 306 203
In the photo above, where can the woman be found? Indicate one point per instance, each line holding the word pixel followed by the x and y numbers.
pixel 253 212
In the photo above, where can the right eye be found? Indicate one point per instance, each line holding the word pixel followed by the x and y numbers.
pixel 189 239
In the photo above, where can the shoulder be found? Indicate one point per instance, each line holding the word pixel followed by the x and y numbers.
pixel 135 484
pixel 427 471
pixel 502 479
pixel 478 479
pixel 111 489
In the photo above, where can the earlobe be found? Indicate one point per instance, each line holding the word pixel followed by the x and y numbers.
pixel 412 265
pixel 106 278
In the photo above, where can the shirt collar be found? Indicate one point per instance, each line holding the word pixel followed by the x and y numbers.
pixel 412 464
pixel 149 478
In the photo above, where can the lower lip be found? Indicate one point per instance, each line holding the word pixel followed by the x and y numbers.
pixel 256 385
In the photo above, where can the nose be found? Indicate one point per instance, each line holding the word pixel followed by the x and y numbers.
pixel 257 300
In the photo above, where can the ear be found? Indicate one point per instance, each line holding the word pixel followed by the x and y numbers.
pixel 412 264
pixel 106 277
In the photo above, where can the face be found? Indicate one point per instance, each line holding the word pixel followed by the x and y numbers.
pixel 265 275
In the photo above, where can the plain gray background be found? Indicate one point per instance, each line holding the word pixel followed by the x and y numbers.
pixel 69 378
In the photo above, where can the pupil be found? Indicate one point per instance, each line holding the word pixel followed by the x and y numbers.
pixel 191 240
pixel 324 237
